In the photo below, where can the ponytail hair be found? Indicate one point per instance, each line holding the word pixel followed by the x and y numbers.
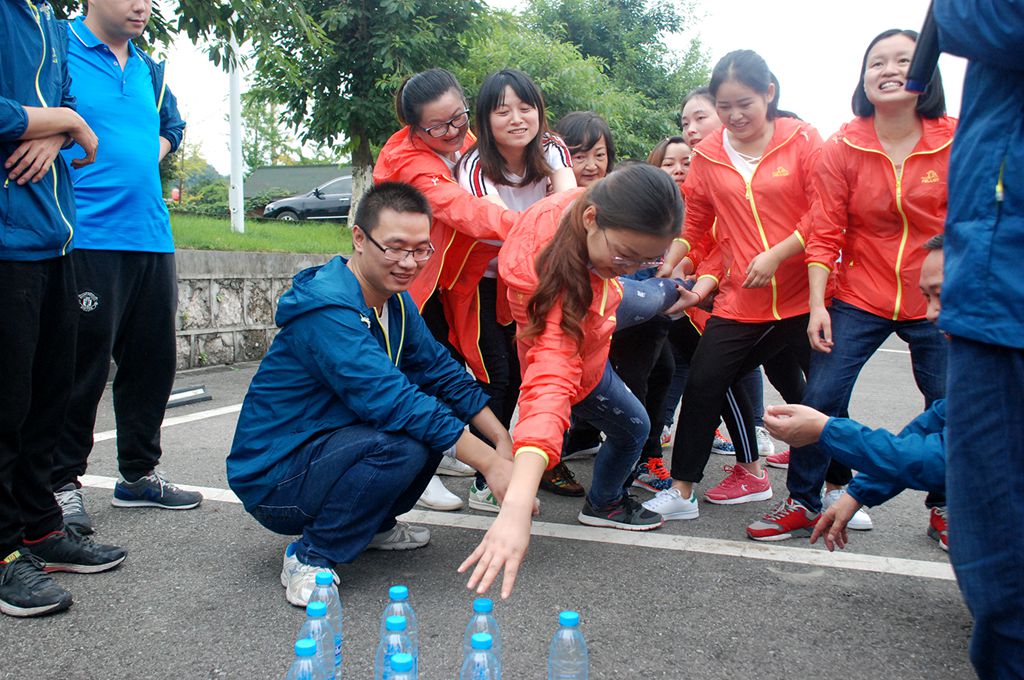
pixel 420 89
pixel 636 197
pixel 747 67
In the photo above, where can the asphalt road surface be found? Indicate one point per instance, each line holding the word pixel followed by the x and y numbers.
pixel 199 595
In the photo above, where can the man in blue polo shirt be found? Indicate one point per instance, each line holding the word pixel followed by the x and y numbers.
pixel 124 260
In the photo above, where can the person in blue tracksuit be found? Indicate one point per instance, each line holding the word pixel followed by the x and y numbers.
pixel 983 311
pixel 354 404
pixel 37 283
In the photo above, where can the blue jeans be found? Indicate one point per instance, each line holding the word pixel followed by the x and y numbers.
pixel 342 488
pixel 856 335
pixel 643 300
pixel 612 409
pixel 985 458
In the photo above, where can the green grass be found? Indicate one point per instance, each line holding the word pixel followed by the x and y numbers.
pixel 213 233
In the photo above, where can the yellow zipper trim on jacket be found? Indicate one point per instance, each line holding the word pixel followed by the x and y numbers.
pixel 387 336
pixel 42 101
pixel 753 207
pixel 163 88
pixel 604 297
pixel 898 174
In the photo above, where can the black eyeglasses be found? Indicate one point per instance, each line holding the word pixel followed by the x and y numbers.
pixel 441 129
pixel 620 261
pixel 398 254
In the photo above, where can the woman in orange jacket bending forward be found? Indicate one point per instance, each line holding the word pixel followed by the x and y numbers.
pixel 560 262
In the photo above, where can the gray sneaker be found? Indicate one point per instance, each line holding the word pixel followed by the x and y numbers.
pixel 402 536
pixel 69 498
pixel 153 491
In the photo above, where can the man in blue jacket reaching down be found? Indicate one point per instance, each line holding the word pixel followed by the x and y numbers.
pixel 355 402
pixel 887 463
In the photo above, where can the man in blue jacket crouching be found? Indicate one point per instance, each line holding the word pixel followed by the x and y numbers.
pixel 355 402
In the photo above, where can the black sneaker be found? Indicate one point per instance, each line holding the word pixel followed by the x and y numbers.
pixel 583 441
pixel 69 550
pixel 627 513
pixel 154 491
pixel 69 498
pixel 27 590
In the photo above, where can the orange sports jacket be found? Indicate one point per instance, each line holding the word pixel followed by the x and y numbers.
pixel 879 216
pixel 754 216
pixel 556 373
pixel 405 158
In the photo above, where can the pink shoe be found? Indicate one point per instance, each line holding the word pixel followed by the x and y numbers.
pixel 740 487
pixel 778 460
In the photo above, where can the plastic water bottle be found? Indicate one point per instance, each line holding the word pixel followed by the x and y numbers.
pixel 400 606
pixel 480 663
pixel 394 641
pixel 401 667
pixel 306 665
pixel 568 658
pixel 483 621
pixel 326 592
pixel 316 626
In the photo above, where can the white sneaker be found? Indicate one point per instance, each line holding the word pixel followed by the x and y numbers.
pixel 482 499
pixel 860 520
pixel 437 497
pixel 453 467
pixel 299 578
pixel 765 445
pixel 670 504
pixel 402 536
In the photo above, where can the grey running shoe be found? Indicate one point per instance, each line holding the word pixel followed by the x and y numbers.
pixel 27 590
pixel 70 551
pixel 402 536
pixel 154 491
pixel 626 513
pixel 69 498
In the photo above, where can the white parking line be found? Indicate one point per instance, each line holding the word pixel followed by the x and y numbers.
pixel 177 420
pixel 895 351
pixel 879 564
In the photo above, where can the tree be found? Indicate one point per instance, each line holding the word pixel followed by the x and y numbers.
pixel 345 93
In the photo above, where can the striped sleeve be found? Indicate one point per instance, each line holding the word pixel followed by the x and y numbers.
pixel 472 179
pixel 556 152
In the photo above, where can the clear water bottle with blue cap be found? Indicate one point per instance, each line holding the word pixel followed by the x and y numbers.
pixel 399 605
pixel 316 626
pixel 326 592
pixel 394 641
pixel 480 663
pixel 483 621
pixel 307 666
pixel 402 667
pixel 568 658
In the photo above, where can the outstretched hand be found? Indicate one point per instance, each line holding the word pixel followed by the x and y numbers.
pixel 503 547
pixel 833 521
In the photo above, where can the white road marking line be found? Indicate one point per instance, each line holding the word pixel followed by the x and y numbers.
pixel 895 351
pixel 897 566
pixel 177 420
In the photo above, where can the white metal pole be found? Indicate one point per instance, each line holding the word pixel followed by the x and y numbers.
pixel 235 198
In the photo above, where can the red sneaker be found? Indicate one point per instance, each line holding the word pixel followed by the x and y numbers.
pixel 778 460
pixel 788 519
pixel 739 487
pixel 938 527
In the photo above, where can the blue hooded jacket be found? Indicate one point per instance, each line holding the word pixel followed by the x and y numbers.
pixel 888 463
pixel 982 296
pixel 333 365
pixel 36 219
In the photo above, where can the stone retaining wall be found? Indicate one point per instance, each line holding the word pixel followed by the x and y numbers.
pixel 227 301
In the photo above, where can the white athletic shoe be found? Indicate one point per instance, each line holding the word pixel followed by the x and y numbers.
pixel 453 467
pixel 437 497
pixel 860 520
pixel 765 445
pixel 482 499
pixel 402 536
pixel 299 578
pixel 670 504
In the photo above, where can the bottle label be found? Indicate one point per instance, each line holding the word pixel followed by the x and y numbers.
pixel 337 651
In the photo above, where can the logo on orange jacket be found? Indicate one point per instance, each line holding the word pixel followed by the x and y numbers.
pixel 930 177
pixel 780 172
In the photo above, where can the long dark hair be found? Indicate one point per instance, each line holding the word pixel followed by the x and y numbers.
pixel 420 89
pixel 581 130
pixel 657 154
pixel 747 67
pixel 636 197
pixel 492 96
pixel 930 104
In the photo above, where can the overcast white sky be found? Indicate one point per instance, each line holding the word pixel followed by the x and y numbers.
pixel 813 46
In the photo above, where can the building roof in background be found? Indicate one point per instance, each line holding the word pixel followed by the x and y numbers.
pixel 291 179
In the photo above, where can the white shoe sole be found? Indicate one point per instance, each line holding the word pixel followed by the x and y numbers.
pixel 459 470
pixel 749 498
pixel 684 514
pixel 483 507
pixel 856 525
pixel 119 503
pixel 446 506
pixel 82 568
pixel 778 466
pixel 25 612
pixel 610 524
